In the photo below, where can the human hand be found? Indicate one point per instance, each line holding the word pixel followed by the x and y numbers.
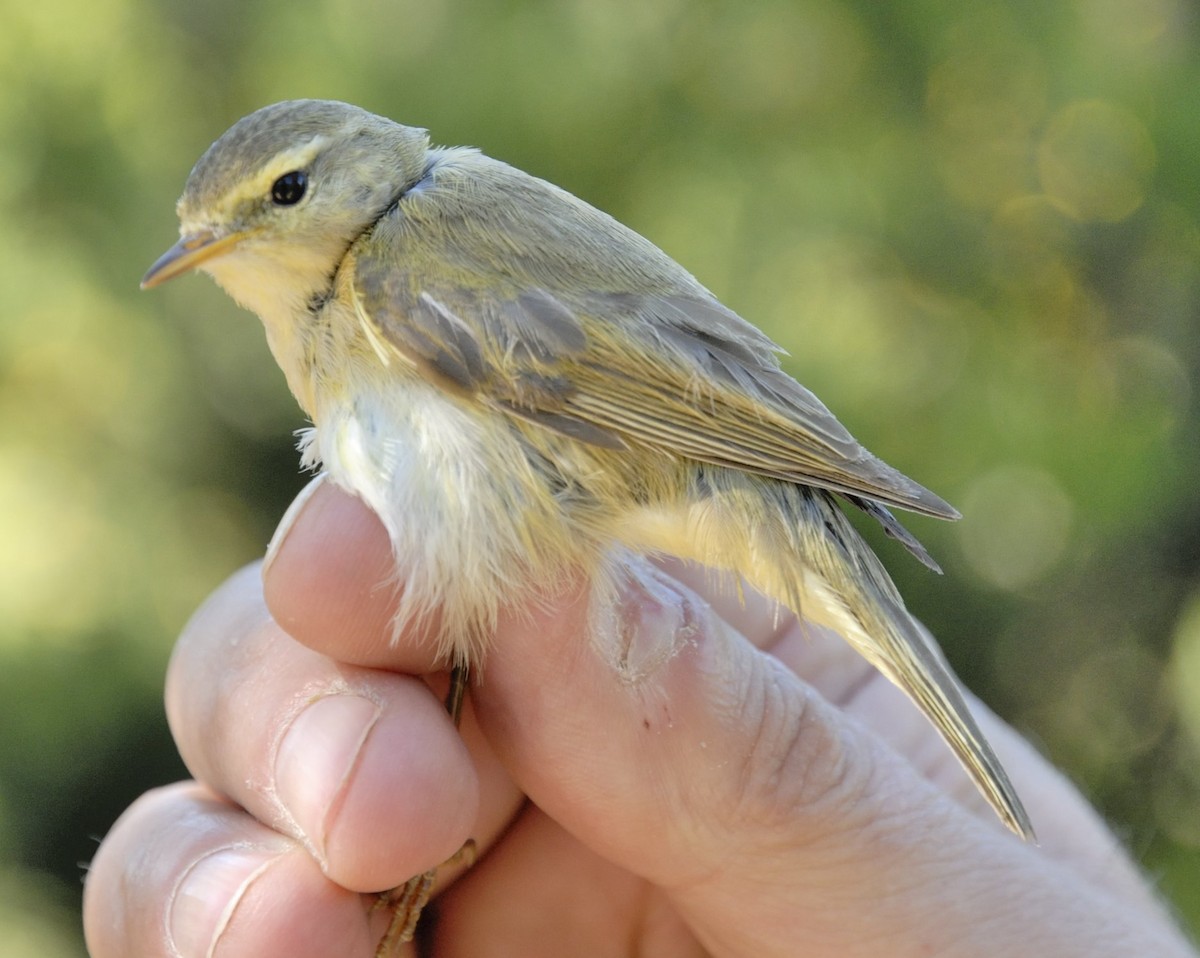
pixel 670 787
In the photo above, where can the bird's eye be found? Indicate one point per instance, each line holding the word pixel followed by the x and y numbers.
pixel 289 189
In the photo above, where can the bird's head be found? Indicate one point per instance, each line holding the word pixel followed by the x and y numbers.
pixel 271 206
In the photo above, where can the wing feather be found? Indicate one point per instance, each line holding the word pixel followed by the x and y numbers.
pixel 535 316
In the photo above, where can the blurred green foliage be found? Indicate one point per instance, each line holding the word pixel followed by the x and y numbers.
pixel 974 225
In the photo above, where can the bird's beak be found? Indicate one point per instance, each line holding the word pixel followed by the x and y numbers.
pixel 190 252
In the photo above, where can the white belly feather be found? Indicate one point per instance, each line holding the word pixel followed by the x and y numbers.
pixel 470 526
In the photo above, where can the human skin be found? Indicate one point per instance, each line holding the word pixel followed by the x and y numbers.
pixel 698 775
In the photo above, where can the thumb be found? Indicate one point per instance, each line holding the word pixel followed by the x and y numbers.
pixel 668 743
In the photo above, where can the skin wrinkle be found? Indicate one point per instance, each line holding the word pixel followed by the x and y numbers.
pixel 1023 911
pixel 768 699
pixel 928 758
pixel 766 702
pixel 792 761
pixel 850 694
pixel 242 652
pixel 839 786
pixel 767 688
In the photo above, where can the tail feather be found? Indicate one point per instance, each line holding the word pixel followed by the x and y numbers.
pixel 796 545
pixel 917 666
pixel 858 599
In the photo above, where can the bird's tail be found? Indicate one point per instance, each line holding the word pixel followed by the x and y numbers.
pixel 795 544
pixel 847 588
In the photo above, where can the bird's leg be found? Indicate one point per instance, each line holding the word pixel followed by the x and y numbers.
pixel 457 692
pixel 406 901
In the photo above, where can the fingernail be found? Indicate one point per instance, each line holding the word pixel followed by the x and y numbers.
pixel 208 894
pixel 289 520
pixel 317 758
pixel 650 618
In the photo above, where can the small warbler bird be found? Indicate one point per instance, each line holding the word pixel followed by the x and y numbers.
pixel 519 385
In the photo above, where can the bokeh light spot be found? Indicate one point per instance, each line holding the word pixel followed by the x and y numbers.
pixel 1095 160
pixel 1185 668
pixel 1018 520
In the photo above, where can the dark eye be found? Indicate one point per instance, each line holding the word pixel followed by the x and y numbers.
pixel 289 189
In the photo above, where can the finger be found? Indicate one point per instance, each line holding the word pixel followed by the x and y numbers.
pixel 827 662
pixel 543 894
pixel 672 747
pixel 185 874
pixel 819 655
pixel 1069 828
pixel 331 581
pixel 844 678
pixel 362 766
pixel 840 675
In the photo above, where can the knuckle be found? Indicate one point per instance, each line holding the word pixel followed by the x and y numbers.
pixel 801 772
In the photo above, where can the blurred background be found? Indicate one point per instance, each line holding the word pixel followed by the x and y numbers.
pixel 975 226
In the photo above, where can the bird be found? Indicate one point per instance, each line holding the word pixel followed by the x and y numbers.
pixel 519 385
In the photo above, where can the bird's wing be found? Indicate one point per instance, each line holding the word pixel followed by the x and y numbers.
pixel 486 304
